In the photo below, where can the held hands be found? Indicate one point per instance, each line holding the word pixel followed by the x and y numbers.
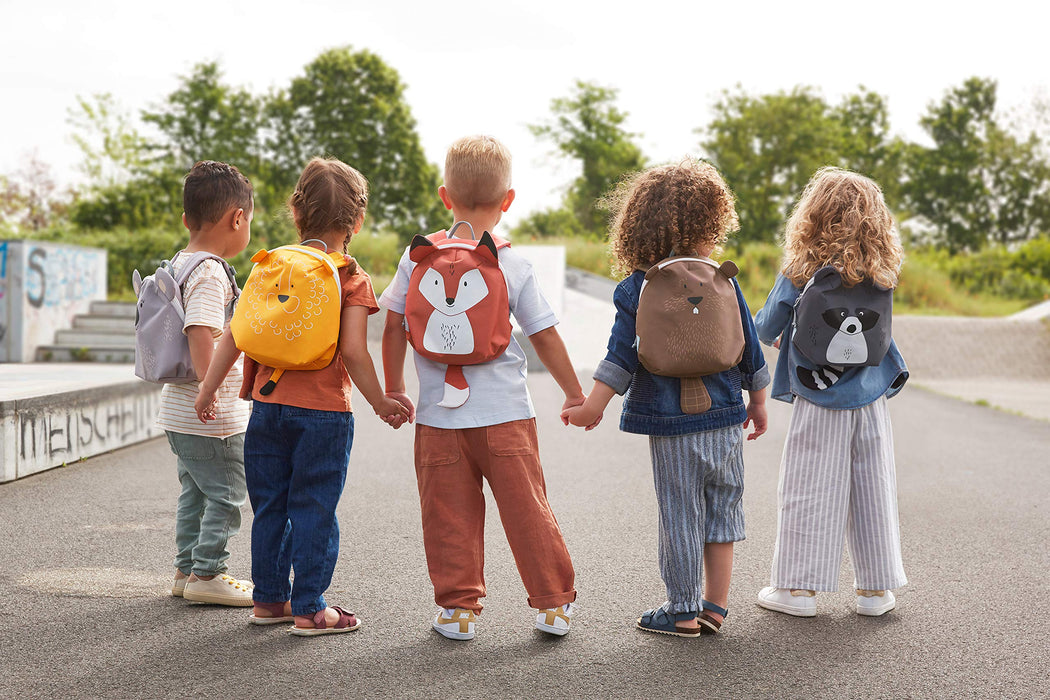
pixel 395 409
pixel 577 412
pixel 205 406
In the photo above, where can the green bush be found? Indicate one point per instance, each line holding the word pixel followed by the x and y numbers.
pixel 1022 274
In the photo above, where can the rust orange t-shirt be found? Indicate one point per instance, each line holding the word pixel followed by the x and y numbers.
pixel 326 389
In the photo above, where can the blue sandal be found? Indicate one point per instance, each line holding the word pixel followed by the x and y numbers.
pixel 708 623
pixel 663 622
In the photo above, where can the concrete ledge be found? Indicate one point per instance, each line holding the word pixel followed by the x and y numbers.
pixel 39 433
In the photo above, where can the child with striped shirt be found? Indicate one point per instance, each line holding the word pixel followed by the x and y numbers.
pixel 218 204
pixel 837 474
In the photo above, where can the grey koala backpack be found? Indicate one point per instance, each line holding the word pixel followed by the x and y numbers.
pixel 842 326
pixel 162 352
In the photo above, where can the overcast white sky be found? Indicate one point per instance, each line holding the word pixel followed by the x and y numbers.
pixel 474 66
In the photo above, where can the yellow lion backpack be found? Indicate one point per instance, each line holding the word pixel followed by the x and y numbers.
pixel 288 313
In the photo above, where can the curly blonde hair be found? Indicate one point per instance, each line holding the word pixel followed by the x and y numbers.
pixel 842 219
pixel 669 209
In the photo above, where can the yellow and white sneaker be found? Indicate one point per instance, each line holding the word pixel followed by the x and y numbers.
pixel 555 620
pixel 221 590
pixel 455 623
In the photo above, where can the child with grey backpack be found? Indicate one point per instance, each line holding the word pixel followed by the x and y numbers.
pixel 217 204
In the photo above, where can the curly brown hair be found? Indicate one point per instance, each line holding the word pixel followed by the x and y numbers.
pixel 680 209
pixel 330 197
pixel 842 219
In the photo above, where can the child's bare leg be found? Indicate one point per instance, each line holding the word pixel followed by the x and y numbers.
pixel 718 569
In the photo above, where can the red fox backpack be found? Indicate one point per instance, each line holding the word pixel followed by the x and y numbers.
pixel 162 352
pixel 457 310
pixel 839 325
pixel 288 316
pixel 688 324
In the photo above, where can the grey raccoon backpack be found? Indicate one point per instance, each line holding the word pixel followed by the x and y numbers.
pixel 839 325
pixel 162 352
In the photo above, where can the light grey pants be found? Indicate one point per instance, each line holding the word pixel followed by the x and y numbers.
pixel 838 481
pixel 699 481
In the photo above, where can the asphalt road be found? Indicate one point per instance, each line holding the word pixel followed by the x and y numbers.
pixel 85 556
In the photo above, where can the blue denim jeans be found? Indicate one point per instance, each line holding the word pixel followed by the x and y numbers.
pixel 295 460
pixel 211 471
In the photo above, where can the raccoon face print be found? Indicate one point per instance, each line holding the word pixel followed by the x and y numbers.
pixel 848 345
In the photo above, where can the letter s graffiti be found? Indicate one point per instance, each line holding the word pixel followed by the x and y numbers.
pixel 36 265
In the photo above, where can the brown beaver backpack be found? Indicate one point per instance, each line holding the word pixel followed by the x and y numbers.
pixel 688 324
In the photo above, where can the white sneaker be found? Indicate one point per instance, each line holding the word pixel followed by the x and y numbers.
pixel 455 623
pixel 797 603
pixel 179 585
pixel 221 590
pixel 871 604
pixel 555 620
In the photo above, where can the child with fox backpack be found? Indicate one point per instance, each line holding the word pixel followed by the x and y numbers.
pixel 492 434
pixel 697 455
pixel 837 475
pixel 297 446
pixel 217 210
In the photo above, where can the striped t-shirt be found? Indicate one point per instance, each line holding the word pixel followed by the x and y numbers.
pixel 206 295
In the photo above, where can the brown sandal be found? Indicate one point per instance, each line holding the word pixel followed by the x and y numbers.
pixel 709 623
pixel 347 622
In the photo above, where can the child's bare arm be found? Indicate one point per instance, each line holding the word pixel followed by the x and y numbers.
pixel 756 413
pixel 589 414
pixel 353 333
pixel 552 353
pixel 395 348
pixel 201 340
pixel 220 361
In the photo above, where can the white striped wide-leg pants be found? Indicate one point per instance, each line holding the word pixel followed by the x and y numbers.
pixel 838 481
pixel 699 481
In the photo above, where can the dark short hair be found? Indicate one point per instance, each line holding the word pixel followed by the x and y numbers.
pixel 211 189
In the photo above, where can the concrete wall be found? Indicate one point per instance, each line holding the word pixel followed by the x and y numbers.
pixel 42 287
pixel 50 431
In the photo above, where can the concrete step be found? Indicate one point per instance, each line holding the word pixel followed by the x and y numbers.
pixel 113 308
pixel 97 353
pixel 95 322
pixel 84 338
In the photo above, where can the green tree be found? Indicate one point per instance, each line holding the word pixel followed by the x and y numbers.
pixel 350 104
pixel 978 182
pixel 588 128
pixel 866 144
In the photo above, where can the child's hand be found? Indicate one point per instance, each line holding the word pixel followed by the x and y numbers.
pixel 205 406
pixel 392 412
pixel 581 416
pixel 756 414
pixel 776 343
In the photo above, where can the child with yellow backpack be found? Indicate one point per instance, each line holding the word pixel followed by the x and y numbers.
pixel 300 304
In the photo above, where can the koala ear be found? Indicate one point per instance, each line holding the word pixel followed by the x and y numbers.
pixel 728 268
pixel 487 247
pixel 420 248
pixel 136 281
pixel 165 283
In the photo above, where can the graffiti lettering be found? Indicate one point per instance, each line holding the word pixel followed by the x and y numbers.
pixel 36 285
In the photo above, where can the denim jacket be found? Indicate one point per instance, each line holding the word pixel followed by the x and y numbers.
pixel 652 405
pixel 856 387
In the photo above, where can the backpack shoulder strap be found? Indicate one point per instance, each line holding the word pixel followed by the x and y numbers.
pixel 196 259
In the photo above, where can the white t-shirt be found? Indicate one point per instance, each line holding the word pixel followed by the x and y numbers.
pixel 498 391
pixel 206 294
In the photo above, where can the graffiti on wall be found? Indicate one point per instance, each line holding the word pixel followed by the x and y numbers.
pixel 58 276
pixel 52 437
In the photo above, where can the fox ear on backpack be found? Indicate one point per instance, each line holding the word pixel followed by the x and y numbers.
pixel 486 244
pixel 420 248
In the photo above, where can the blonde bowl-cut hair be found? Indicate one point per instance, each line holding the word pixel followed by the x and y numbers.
pixel 842 219
pixel 477 172
pixel 668 209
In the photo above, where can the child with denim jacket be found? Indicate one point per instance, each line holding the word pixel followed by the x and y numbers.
pixel 698 468
pixel 837 475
